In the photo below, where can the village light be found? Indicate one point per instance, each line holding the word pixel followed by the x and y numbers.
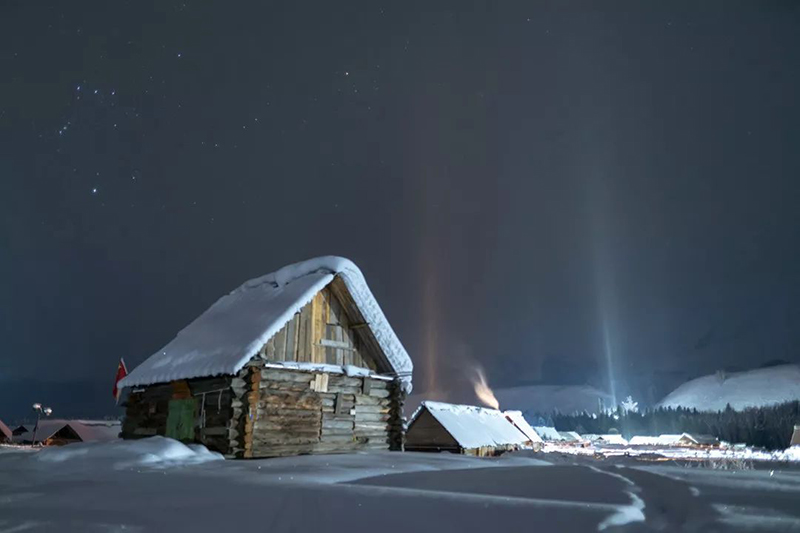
pixel 46 411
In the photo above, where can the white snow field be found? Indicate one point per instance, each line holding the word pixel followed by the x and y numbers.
pixel 158 484
pixel 754 388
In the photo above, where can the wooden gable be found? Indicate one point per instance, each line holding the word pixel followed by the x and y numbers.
pixel 330 329
pixel 64 435
pixel 425 432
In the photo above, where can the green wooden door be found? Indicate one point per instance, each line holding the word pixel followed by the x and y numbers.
pixel 180 420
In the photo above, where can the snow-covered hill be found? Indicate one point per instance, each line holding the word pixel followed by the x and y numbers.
pixel 754 388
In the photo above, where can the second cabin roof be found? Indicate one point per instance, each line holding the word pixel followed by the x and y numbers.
pixel 474 427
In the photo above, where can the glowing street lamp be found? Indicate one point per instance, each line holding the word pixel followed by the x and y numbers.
pixel 46 411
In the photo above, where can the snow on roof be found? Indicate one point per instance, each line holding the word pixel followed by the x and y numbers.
pixel 547 433
pixel 570 436
pixel 230 332
pixel 473 427
pixel 610 438
pixel 672 440
pixel 754 388
pixel 87 430
pixel 661 440
pixel 516 418
pixel 5 433
pixel 96 430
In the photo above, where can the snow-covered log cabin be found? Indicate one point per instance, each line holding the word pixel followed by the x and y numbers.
pixel 299 361
pixel 468 430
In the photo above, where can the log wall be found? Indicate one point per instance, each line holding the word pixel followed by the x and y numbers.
pixel 269 412
pixel 426 433
pixel 147 410
pixel 303 412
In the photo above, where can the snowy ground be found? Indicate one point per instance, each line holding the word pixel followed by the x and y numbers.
pixel 161 485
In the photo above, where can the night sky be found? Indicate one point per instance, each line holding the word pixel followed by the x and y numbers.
pixel 527 187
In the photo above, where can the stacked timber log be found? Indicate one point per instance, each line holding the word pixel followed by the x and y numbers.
pixel 302 412
pixel 397 420
pixel 266 411
pixel 243 414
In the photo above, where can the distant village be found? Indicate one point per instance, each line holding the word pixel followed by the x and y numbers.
pixel 321 371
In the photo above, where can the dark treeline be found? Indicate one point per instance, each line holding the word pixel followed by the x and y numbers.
pixel 765 427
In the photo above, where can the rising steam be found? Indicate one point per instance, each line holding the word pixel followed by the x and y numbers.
pixel 483 391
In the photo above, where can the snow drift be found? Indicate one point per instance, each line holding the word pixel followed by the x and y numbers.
pixel 158 452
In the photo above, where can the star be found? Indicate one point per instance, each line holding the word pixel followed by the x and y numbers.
pixel 94 190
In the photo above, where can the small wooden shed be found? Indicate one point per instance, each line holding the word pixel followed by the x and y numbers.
pixel 299 361
pixel 468 430
pixel 5 433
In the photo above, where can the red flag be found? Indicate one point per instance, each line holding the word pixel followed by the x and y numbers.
pixel 122 371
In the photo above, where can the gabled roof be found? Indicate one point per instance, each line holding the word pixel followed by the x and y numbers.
pixel 570 436
pixel 516 418
pixel 228 334
pixel 473 427
pixel 5 433
pixel 609 438
pixel 700 439
pixel 22 428
pixel 548 433
pixel 45 430
pixel 672 440
pixel 96 430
